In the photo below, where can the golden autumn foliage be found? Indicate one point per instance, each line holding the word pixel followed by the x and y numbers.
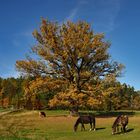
pixel 38 93
pixel 69 55
pixel 44 85
pixel 71 51
pixel 72 97
pixel 41 85
pixel 69 99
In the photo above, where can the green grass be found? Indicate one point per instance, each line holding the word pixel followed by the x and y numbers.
pixel 57 112
pixel 57 125
pixel 4 110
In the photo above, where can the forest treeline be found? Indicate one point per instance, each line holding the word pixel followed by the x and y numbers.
pixel 28 93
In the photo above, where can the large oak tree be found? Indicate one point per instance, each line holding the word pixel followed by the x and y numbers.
pixel 70 52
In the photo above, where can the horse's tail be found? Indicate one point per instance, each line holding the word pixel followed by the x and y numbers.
pixel 125 119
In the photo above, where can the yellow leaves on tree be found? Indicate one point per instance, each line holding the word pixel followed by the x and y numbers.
pixel 67 100
pixel 43 85
pixel 70 52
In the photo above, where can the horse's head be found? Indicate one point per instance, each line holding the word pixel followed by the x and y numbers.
pixel 75 128
pixel 113 130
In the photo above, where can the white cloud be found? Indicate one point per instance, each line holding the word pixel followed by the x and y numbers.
pixel 108 14
pixel 113 14
pixel 27 33
pixel 72 14
pixel 103 12
pixel 19 39
pixel 16 42
pixel 75 10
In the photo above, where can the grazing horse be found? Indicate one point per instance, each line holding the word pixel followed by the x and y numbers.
pixel 121 120
pixel 42 114
pixel 85 120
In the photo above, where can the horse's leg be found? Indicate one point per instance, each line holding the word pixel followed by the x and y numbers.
pixel 94 124
pixel 82 127
pixel 124 128
pixel 90 126
pixel 117 128
pixel 121 128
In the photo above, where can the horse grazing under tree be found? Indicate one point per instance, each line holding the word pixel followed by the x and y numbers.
pixel 42 114
pixel 121 120
pixel 85 120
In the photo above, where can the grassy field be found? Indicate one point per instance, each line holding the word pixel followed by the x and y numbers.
pixel 58 125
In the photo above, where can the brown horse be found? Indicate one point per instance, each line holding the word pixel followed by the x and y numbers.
pixel 121 120
pixel 42 114
pixel 85 120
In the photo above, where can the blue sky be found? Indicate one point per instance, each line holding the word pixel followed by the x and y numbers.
pixel 118 19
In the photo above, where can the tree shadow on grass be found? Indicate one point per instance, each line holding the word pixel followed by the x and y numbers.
pixel 97 129
pixel 127 131
pixel 114 113
pixel 104 114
